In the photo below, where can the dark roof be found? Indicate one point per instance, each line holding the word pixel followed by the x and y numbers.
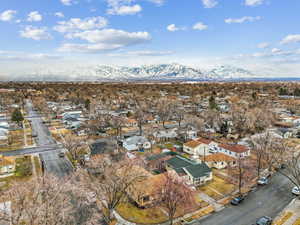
pixel 102 146
pixel 182 165
pixel 179 162
pixel 198 170
pixel 160 156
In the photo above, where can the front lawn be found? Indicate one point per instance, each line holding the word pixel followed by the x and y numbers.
pixel 23 166
pixel 217 188
pixel 144 216
pixel 221 186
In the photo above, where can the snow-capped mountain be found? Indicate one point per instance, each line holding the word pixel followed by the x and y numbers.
pixel 230 72
pixel 160 72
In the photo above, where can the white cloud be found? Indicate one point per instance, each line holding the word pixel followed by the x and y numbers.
pixel 35 33
pixel 253 2
pixel 292 38
pixel 150 53
pixel 111 36
pixel 275 50
pixel 68 2
pixel 59 15
pixel 242 19
pixel 173 28
pixel 125 10
pixel 107 39
pixel 34 16
pixel 75 24
pixel 23 56
pixel 157 2
pixel 200 26
pixel 209 3
pixel 123 7
pixel 145 53
pixel 7 15
pixel 263 45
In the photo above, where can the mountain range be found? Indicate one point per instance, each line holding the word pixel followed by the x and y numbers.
pixel 159 72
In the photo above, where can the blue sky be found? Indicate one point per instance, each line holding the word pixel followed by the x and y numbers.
pixel 259 35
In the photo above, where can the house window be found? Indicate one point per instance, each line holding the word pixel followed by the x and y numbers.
pixel 146 198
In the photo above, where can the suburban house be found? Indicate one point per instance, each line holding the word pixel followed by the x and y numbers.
pixel 219 160
pixel 5 209
pixel 145 191
pixel 102 146
pixel 192 172
pixel 234 150
pixel 158 161
pixel 165 135
pixel 4 130
pixel 7 165
pixel 131 122
pixel 205 147
pixel 200 146
pixel 136 143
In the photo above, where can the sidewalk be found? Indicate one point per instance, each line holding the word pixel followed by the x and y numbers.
pixel 291 212
pixel 213 202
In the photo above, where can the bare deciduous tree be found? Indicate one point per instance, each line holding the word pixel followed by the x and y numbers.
pixel 292 170
pixel 109 183
pixel 174 194
pixel 74 145
pixel 40 201
pixel 164 111
pixel 140 116
pixel 261 146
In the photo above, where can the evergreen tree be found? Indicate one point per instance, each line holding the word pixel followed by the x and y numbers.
pixel 17 116
pixel 283 91
pixel 297 92
pixel 87 104
pixel 212 103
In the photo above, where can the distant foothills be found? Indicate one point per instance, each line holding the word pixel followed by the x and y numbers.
pixel 147 73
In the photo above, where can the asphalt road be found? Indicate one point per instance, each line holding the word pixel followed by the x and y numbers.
pixel 55 164
pixel 46 146
pixel 44 137
pixel 267 200
pixel 34 150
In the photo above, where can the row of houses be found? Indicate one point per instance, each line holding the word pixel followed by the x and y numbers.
pixel 193 173
pixel 217 155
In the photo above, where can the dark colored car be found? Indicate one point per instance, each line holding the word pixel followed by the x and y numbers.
pixel 61 154
pixel 265 220
pixel 237 200
pixel 34 135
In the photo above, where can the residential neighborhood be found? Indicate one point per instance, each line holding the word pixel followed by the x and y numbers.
pixel 137 152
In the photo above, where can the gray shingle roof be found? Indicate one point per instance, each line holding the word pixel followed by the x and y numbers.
pixel 183 165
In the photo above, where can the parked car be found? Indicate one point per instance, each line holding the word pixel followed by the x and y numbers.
pixel 34 135
pixel 263 181
pixel 265 220
pixel 61 154
pixel 237 200
pixel 296 191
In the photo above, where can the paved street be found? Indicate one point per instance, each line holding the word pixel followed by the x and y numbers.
pixel 44 137
pixel 54 164
pixel 268 200
pixel 34 150
pixel 46 146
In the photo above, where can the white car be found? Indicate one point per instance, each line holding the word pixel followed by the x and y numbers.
pixel 296 191
pixel 263 181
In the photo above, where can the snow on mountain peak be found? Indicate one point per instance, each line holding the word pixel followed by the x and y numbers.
pixel 163 72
